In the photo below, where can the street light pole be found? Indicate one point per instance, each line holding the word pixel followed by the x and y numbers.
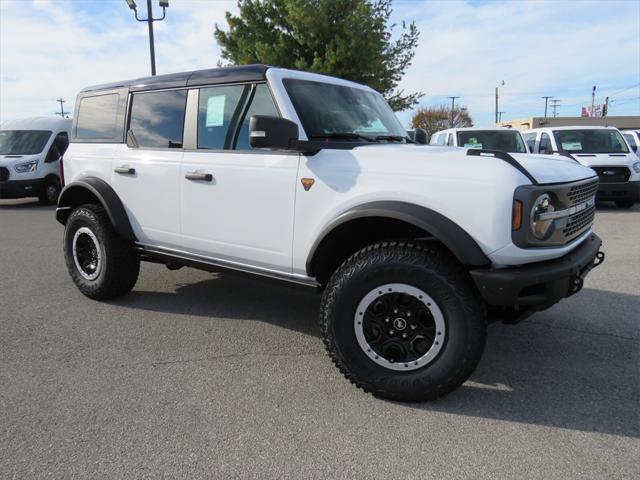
pixel 499 85
pixel 453 102
pixel 164 4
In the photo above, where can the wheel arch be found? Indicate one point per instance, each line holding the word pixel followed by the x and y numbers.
pixel 95 190
pixel 410 220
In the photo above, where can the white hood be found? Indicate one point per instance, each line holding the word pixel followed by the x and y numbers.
pixel 553 168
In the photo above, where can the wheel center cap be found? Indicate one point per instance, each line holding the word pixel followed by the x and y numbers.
pixel 400 323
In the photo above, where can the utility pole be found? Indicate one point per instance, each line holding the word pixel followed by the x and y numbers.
pixel 593 99
pixel 546 100
pixel 453 102
pixel 499 85
pixel 605 112
pixel 500 116
pixel 61 113
pixel 555 103
pixel 164 4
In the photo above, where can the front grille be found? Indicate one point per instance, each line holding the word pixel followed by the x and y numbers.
pixel 613 174
pixel 580 193
pixel 581 220
pixel 4 174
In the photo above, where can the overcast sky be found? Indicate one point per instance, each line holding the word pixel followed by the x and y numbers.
pixel 51 49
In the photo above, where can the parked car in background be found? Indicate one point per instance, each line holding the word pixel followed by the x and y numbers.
pixel 312 180
pixel 505 139
pixel 602 148
pixel 30 153
pixel 633 139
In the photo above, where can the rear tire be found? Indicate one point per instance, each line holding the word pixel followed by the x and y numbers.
pixel 101 263
pixel 624 203
pixel 50 192
pixel 384 363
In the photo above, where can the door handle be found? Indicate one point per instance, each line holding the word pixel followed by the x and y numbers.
pixel 207 177
pixel 125 170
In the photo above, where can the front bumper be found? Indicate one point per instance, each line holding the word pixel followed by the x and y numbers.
pixel 619 191
pixel 537 286
pixel 21 188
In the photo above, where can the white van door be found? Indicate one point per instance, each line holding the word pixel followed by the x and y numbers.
pixel 237 204
pixel 146 176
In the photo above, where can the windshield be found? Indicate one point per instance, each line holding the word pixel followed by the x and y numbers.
pixel 507 141
pixel 591 141
pixel 327 109
pixel 23 142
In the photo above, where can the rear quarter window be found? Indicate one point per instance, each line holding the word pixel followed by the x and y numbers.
pixel 97 118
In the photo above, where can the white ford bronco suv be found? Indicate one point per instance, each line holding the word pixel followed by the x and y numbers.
pixel 312 180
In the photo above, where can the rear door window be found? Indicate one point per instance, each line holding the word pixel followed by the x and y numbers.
pixel 157 118
pixel 217 112
pixel 545 144
pixel 97 117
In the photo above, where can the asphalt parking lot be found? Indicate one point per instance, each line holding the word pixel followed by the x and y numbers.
pixel 200 375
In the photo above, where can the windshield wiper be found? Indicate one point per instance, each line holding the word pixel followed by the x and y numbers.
pixel 343 135
pixel 391 138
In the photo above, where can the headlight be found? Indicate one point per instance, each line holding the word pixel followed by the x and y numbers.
pixel 26 167
pixel 540 225
pixel 636 167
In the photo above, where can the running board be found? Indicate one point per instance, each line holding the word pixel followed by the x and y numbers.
pixel 174 258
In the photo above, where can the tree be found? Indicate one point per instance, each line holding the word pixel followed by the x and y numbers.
pixel 350 39
pixel 433 119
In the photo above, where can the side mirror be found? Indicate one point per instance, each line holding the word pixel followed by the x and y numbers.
pixel 420 136
pixel 274 133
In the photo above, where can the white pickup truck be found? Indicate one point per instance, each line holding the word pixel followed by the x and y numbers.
pixel 312 180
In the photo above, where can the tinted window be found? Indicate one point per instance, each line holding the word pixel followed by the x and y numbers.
pixel 631 140
pixel 507 141
pixel 216 109
pixel 262 104
pixel 97 117
pixel 545 144
pixel 327 108
pixel 157 119
pixel 58 147
pixel 23 142
pixel 530 140
pixel 591 141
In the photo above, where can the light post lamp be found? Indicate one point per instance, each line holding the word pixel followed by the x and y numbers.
pixel 499 85
pixel 164 4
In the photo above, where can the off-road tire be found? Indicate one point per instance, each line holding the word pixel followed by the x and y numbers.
pixel 50 192
pixel 120 264
pixel 624 203
pixel 431 269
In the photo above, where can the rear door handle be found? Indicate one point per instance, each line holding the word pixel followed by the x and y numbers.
pixel 125 170
pixel 207 177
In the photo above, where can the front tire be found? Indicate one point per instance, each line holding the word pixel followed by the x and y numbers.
pixel 403 322
pixel 50 192
pixel 101 263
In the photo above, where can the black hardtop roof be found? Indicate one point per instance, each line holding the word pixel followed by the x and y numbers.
pixel 212 76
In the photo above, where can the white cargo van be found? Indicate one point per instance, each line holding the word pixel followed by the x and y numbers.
pixel 505 139
pixel 601 148
pixel 30 152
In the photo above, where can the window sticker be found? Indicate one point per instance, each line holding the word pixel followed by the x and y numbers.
pixel 473 143
pixel 571 146
pixel 215 111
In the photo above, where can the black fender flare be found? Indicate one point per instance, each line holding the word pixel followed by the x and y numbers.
pixel 455 238
pixel 74 194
